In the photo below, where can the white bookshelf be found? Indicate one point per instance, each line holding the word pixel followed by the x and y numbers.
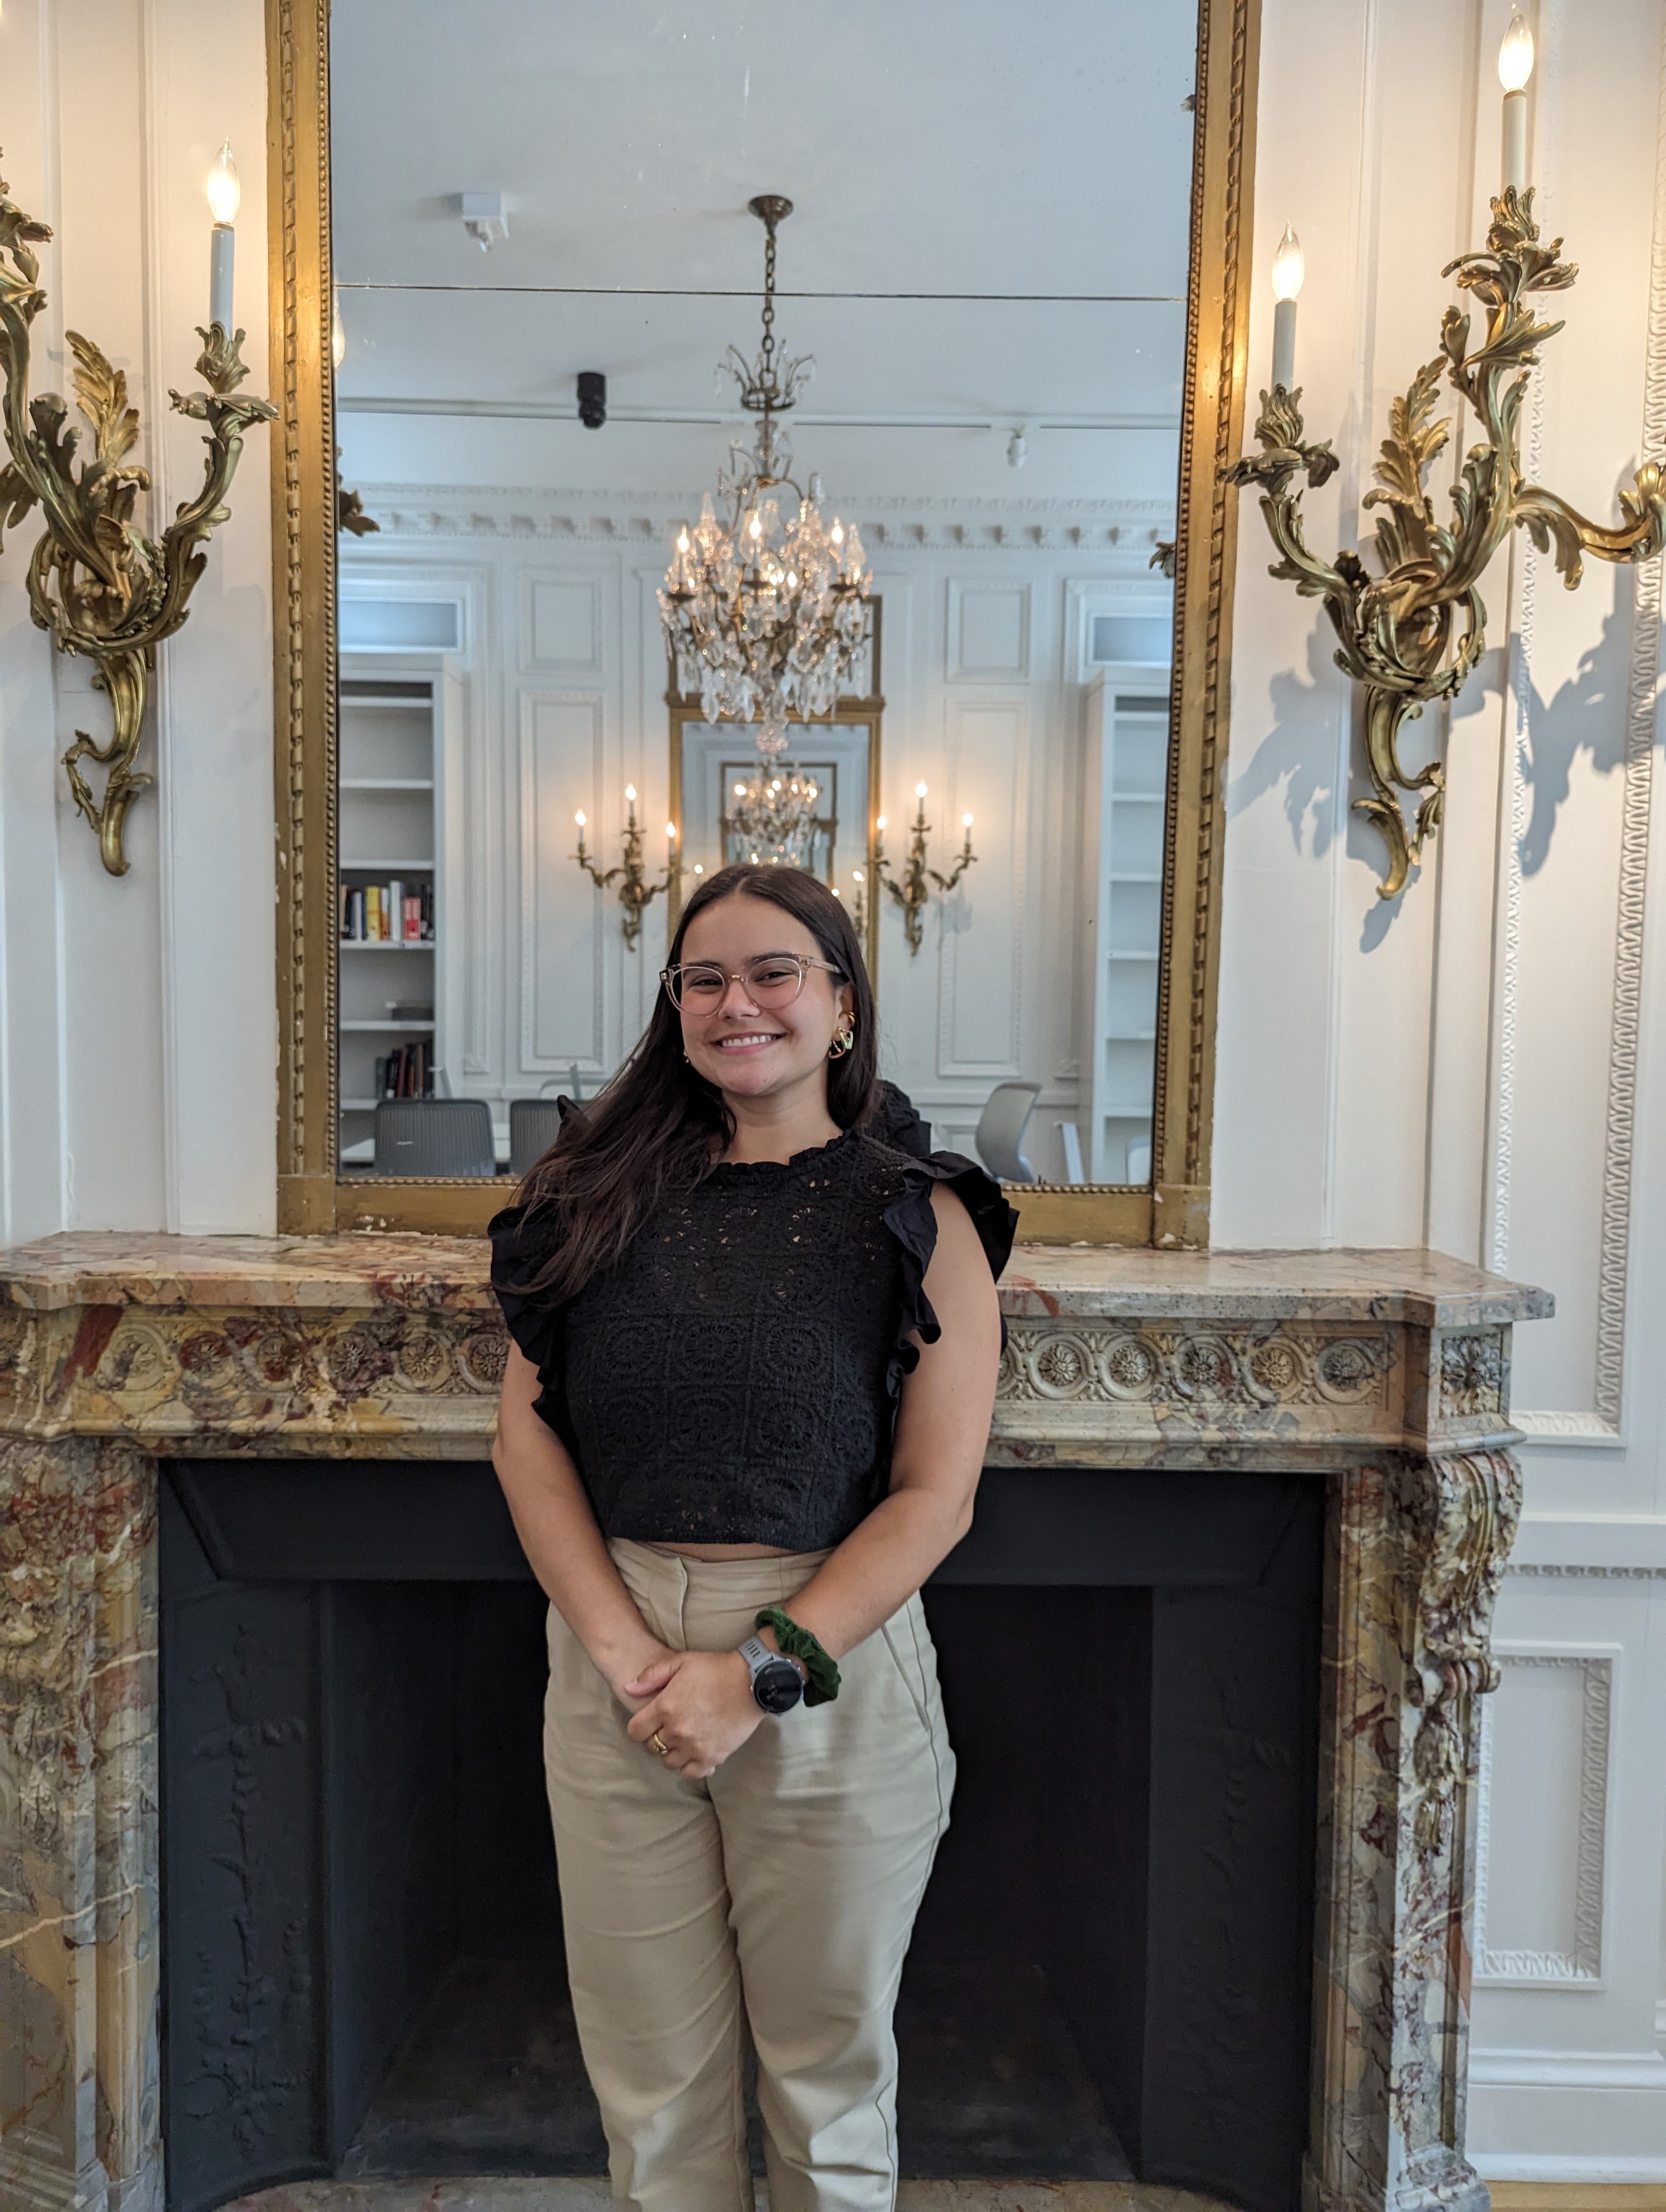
pixel 1125 792
pixel 388 791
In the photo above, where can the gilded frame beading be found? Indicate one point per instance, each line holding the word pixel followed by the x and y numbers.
pixel 311 1198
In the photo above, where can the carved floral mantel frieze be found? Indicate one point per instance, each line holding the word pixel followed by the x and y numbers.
pixel 1386 1375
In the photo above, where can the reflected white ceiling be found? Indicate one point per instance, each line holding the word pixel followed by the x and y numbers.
pixel 977 150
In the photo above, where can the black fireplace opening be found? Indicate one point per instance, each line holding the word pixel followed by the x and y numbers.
pixel 363 1968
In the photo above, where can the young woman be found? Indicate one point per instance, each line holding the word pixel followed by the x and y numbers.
pixel 753 1366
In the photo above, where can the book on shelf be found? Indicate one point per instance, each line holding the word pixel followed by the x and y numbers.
pixel 407 1071
pixel 393 913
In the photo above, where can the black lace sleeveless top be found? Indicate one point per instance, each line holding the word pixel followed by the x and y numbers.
pixel 734 1377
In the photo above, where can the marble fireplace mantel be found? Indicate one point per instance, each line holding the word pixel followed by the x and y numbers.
pixel 1385 1374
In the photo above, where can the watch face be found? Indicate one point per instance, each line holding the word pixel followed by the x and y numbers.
pixel 776 1685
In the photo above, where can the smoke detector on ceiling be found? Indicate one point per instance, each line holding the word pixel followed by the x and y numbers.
pixel 486 218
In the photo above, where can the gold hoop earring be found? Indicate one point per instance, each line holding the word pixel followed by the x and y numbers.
pixel 844 1042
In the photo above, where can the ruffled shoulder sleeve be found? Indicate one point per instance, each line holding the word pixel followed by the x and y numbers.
pixel 896 1122
pixel 911 1220
pixel 521 1245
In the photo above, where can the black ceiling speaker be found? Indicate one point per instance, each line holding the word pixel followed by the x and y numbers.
pixel 592 398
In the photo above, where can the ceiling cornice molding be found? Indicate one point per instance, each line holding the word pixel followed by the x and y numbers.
pixel 406 511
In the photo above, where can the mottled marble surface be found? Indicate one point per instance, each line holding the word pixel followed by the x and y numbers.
pixel 537 2196
pixel 79 1898
pixel 1386 1374
pixel 1423 1289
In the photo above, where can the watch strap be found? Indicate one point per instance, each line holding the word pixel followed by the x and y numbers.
pixel 799 1643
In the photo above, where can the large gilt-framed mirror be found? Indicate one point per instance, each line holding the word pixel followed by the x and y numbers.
pixel 1022 284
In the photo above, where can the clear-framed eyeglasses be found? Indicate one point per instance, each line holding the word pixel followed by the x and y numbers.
pixel 772 979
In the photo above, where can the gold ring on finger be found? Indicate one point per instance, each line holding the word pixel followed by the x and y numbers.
pixel 660 1744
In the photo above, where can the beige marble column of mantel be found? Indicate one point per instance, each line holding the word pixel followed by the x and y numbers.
pixel 1385 1374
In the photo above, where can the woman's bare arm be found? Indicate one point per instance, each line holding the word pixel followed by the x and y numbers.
pixel 559 1535
pixel 942 1430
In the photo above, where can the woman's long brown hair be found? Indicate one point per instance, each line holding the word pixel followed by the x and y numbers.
pixel 658 1128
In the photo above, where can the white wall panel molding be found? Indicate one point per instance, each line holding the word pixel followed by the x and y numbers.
pixel 1604 1424
pixel 1130 527
pixel 1568 2070
pixel 1532 1569
pixel 1597 2172
pixel 988 631
pixel 1579 1963
pixel 980 1015
pixel 559 730
pixel 562 621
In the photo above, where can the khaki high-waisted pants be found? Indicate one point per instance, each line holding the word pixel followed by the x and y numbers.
pixel 777 1897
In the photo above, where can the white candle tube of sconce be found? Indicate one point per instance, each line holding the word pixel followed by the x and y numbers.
pixel 1515 68
pixel 966 824
pixel 225 194
pixel 1289 268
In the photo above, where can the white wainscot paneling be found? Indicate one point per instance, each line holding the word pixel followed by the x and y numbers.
pixel 562 622
pixel 563 921
pixel 979 1007
pixel 1542 1858
pixel 989 631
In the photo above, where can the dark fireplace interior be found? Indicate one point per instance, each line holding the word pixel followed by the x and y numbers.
pixel 363 1966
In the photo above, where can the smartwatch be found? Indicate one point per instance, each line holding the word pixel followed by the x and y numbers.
pixel 776 1683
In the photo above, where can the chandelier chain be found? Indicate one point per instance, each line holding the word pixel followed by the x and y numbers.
pixel 766 611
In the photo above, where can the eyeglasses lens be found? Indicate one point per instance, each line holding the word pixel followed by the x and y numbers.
pixel 769 981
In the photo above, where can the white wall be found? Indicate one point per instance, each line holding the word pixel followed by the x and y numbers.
pixel 1477 1066
pixel 138 1031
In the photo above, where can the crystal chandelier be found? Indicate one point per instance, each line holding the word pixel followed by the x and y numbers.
pixel 773 818
pixel 767 612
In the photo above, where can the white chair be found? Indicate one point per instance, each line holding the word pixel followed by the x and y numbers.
pixel 1070 1138
pixel 1000 1126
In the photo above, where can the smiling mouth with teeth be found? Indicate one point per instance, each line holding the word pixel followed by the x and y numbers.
pixel 754 1037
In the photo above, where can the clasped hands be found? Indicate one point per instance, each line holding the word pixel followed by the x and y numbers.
pixel 700 1705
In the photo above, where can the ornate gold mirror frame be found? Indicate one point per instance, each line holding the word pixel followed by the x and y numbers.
pixel 311 1198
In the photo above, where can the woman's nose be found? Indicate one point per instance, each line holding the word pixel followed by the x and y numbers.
pixel 737 999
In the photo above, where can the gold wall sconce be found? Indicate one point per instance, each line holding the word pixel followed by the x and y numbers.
pixel 636 894
pixel 912 888
pixel 96 583
pixel 1413 633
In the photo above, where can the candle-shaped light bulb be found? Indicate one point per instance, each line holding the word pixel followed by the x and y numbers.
pixel 671 833
pixel 1289 266
pixel 965 821
pixel 699 869
pixel 337 332
pixel 630 792
pixel 225 193
pixel 837 532
pixel 857 876
pixel 682 539
pixel 1515 67
pixel 754 529
pixel 1516 53
pixel 1288 270
pixel 578 817
pixel 880 823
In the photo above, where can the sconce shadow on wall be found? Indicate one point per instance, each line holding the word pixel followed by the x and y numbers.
pixel 1415 632
pixel 97 584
